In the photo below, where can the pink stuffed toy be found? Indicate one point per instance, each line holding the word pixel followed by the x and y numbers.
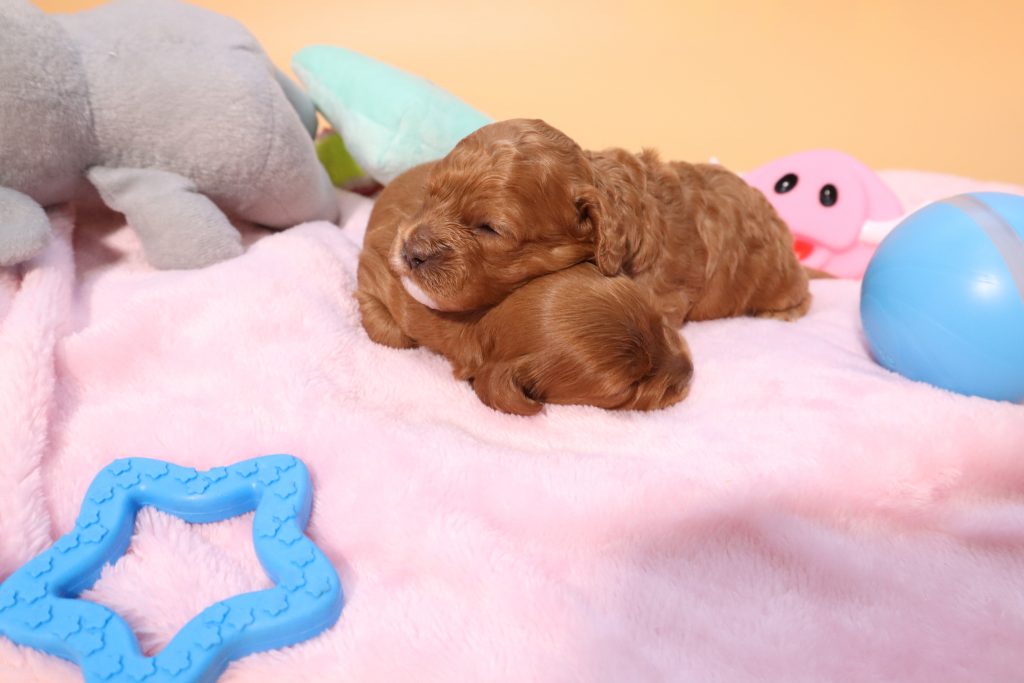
pixel 825 197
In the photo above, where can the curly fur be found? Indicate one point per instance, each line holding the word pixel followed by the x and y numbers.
pixel 533 264
pixel 519 199
pixel 574 336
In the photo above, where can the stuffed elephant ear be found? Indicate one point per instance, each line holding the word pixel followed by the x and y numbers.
pixel 46 136
pixel 300 101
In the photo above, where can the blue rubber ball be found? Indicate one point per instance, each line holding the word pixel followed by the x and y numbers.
pixel 943 298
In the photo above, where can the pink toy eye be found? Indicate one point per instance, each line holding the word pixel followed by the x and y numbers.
pixel 786 183
pixel 829 195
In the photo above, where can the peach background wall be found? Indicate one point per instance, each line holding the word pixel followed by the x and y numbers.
pixel 936 85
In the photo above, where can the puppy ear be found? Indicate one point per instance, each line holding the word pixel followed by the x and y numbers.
pixel 499 386
pixel 598 221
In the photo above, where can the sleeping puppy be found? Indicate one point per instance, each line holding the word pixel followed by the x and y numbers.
pixel 574 336
pixel 518 199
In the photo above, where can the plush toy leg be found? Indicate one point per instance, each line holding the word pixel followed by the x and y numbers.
pixel 178 227
pixel 24 227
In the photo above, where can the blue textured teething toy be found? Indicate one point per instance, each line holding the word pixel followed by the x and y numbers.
pixel 943 297
pixel 39 605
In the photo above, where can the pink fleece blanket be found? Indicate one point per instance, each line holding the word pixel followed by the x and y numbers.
pixel 804 516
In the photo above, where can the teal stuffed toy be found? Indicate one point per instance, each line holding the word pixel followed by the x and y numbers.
pixel 173 113
pixel 390 120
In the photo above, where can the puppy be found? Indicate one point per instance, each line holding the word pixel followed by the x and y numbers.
pixel 519 199
pixel 574 336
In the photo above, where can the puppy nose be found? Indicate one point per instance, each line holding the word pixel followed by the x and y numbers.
pixel 417 251
pixel 417 255
pixel 683 374
pixel 680 372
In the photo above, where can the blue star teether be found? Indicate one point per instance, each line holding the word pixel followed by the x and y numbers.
pixel 39 605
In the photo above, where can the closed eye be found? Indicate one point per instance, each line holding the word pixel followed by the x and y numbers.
pixel 486 229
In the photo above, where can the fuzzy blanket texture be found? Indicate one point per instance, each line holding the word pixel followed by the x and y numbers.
pixel 804 515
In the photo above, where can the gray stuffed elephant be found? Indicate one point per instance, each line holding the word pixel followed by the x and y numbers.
pixel 173 113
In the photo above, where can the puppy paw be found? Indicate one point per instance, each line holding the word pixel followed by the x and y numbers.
pixel 380 326
pixel 788 314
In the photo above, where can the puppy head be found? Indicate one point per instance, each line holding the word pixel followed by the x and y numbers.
pixel 511 202
pixel 578 337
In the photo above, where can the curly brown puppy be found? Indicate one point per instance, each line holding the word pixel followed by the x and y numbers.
pixel 575 336
pixel 519 199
